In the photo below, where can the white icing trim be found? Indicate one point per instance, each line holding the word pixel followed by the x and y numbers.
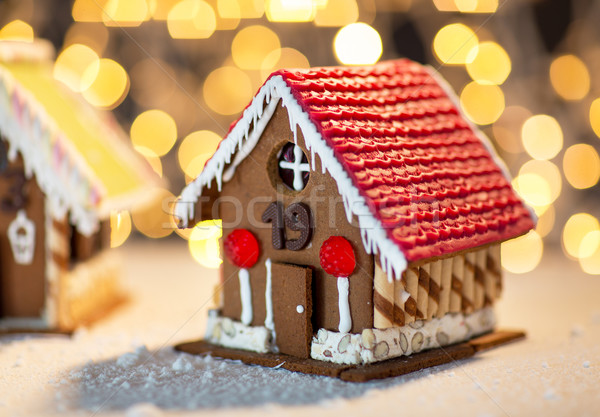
pixel 33 144
pixel 269 298
pixel 250 143
pixel 478 132
pixel 245 296
pixel 343 286
pixel 374 237
pixel 375 345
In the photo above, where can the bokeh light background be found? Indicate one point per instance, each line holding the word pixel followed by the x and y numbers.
pixel 178 72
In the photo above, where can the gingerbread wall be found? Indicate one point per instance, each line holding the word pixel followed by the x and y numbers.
pixel 243 200
pixel 22 287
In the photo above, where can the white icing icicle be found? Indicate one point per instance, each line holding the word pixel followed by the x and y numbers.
pixel 269 298
pixel 375 239
pixel 33 143
pixel 343 286
pixel 245 296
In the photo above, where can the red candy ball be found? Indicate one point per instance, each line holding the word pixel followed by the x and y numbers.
pixel 241 248
pixel 337 257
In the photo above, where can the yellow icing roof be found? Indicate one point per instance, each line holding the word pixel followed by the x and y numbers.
pixel 92 132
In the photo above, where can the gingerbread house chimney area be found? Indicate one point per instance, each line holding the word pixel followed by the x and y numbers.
pixel 64 167
pixel 372 213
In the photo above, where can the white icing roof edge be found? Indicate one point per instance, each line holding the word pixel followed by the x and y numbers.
pixel 27 142
pixel 374 237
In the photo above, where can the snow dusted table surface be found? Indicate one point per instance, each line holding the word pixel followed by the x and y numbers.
pixel 125 365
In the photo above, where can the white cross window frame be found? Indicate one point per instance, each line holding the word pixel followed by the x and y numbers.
pixel 298 167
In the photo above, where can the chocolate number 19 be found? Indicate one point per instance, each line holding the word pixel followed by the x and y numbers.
pixel 296 217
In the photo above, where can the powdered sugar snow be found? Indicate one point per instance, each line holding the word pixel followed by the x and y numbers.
pixel 126 366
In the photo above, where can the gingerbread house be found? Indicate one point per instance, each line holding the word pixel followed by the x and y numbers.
pixel 362 216
pixel 63 167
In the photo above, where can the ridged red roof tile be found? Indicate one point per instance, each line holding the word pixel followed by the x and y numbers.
pixel 425 174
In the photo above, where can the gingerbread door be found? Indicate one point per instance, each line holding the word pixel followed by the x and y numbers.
pixel 292 308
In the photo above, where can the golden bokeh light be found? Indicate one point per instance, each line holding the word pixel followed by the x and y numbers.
pixel 184 233
pixel 522 254
pixel 542 136
pixel 545 222
pixel 357 44
pixel 570 77
pixel 455 44
pixel 575 230
pixel 251 46
pixel 195 150
pixel 466 6
pixel 17 30
pixel 595 116
pixel 229 9
pixel 125 13
pixel 93 35
pixel 337 13
pixel 109 87
pixel 120 227
pixel 490 64
pixel 155 220
pixel 252 9
pixel 160 8
pixel 88 10
pixel 155 130
pixel 507 129
pixel 535 190
pixel 77 66
pixel 482 104
pixel 152 159
pixel 290 10
pixel 581 166
pixel 283 58
pixel 229 14
pixel 227 90
pixel 191 19
pixel 546 170
pixel 203 243
pixel 589 244
pixel 590 264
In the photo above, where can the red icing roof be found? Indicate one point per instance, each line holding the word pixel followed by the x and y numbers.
pixel 425 175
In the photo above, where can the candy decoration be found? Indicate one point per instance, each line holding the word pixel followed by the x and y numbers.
pixel 337 258
pixel 21 234
pixel 241 248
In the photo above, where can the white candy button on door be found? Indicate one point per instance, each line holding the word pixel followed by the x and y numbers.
pixel 300 309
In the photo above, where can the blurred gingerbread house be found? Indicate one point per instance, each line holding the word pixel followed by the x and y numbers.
pixel 63 167
pixel 362 214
